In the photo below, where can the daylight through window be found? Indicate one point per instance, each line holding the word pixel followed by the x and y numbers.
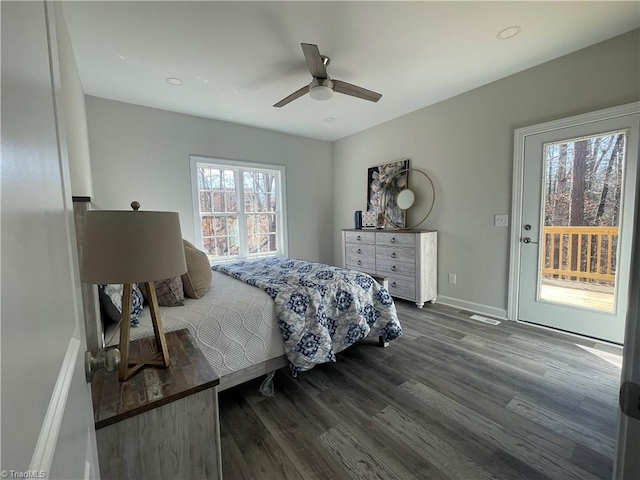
pixel 239 207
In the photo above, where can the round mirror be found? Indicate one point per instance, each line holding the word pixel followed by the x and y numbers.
pixel 405 199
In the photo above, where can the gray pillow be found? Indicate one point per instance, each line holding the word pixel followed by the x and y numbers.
pixel 169 292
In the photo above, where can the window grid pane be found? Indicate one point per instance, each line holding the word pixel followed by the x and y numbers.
pixel 220 236
pixel 218 204
pixel 229 181
pixel 260 191
pixel 262 233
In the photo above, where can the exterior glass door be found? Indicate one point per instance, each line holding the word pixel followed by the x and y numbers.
pixel 582 204
pixel 577 217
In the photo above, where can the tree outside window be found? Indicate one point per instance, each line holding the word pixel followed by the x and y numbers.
pixel 240 213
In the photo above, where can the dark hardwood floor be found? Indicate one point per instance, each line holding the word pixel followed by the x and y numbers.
pixel 452 399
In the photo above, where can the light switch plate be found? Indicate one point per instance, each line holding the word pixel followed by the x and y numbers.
pixel 501 220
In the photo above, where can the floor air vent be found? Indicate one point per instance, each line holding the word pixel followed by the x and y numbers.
pixel 490 321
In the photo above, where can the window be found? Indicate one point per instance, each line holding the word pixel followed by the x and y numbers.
pixel 239 209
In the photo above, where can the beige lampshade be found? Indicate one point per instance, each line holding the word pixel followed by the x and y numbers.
pixel 132 247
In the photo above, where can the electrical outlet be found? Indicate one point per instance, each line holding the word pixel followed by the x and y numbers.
pixel 452 278
pixel 501 220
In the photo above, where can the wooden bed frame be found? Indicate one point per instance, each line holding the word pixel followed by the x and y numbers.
pixel 263 368
pixel 93 320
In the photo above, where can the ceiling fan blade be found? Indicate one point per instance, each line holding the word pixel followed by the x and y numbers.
pixel 355 91
pixel 297 94
pixel 314 60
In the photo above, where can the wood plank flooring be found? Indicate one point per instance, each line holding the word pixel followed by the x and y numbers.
pixel 452 399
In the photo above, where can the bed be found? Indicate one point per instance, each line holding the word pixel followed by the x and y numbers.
pixel 249 316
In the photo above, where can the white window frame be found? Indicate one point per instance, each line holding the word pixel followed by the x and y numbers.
pixel 241 166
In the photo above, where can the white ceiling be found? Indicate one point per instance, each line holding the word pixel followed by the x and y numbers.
pixel 237 59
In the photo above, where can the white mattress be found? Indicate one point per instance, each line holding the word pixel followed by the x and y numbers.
pixel 234 325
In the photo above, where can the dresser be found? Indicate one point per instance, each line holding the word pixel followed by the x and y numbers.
pixel 406 260
pixel 162 423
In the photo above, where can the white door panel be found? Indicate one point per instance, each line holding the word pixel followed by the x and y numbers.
pixel 627 462
pixel 557 309
pixel 46 409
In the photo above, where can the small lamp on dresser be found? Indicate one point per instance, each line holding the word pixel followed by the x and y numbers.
pixel 128 247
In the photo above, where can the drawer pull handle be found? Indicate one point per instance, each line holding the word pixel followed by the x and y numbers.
pixel 393 255
pixel 393 239
pixel 359 250
pixel 393 284
pixel 358 238
pixel 393 268
pixel 359 262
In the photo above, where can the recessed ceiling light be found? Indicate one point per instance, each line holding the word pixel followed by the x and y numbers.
pixel 329 119
pixel 121 57
pixel 508 32
pixel 174 81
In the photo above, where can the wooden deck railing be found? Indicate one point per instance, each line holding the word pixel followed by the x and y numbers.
pixel 586 254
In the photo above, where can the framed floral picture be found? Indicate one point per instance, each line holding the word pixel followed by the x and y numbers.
pixel 383 185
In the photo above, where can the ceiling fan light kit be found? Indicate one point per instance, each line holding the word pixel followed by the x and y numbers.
pixel 322 92
pixel 322 86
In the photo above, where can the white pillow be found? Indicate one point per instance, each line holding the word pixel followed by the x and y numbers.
pixel 111 300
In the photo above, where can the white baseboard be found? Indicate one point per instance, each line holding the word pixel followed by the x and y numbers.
pixel 499 313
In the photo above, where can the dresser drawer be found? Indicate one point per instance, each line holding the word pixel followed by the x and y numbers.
pixel 406 255
pixel 402 287
pixel 368 238
pixel 360 251
pixel 361 265
pixel 396 239
pixel 386 268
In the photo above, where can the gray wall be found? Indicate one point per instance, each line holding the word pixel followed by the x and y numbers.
pixel 74 112
pixel 466 145
pixel 140 153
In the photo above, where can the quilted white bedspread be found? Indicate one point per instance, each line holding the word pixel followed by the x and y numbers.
pixel 234 325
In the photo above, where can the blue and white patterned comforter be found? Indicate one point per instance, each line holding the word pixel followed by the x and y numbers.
pixel 321 309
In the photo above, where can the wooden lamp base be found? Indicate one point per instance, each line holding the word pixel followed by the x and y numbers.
pixel 157 359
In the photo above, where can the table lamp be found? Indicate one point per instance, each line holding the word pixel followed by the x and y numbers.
pixel 128 247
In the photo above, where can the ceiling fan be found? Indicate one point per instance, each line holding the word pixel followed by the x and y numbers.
pixel 322 86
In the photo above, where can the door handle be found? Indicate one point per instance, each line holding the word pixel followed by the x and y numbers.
pixel 528 240
pixel 107 358
pixel 630 399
